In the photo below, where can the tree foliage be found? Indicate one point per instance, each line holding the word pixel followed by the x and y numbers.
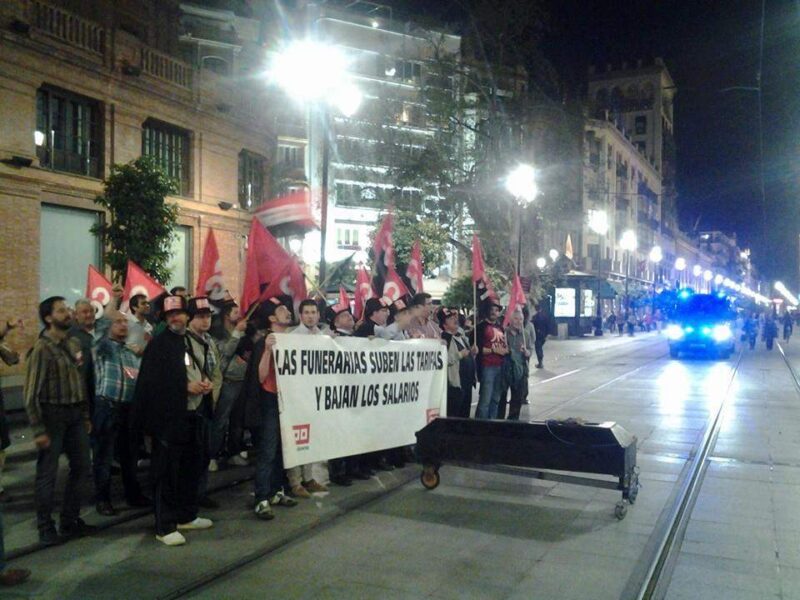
pixel 141 225
pixel 410 227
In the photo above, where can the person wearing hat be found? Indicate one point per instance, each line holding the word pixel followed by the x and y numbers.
pixel 457 350
pixel 261 411
pixel 340 319
pixel 493 350
pixel 376 313
pixel 168 409
pixel 206 366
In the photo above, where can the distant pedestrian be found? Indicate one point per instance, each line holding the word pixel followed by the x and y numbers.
pixel 541 324
pixel 770 331
pixel 58 411
pixel 787 327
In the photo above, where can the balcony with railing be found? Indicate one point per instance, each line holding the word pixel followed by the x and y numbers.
pixel 165 67
pixel 68 27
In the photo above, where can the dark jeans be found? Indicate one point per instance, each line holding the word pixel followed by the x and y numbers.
pixel 110 430
pixel 176 467
pixel 519 391
pixel 489 393
pixel 538 346
pixel 218 427
pixel 269 475
pixel 67 430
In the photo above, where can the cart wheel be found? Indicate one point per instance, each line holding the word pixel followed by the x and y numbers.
pixel 430 478
pixel 620 510
pixel 634 491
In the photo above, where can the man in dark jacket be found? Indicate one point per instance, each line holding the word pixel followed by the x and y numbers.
pixel 540 325
pixel 168 406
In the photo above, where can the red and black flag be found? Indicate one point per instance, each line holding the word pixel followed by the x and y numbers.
pixel 383 253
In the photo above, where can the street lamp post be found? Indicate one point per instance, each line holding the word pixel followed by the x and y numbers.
pixel 656 256
pixel 521 183
pixel 317 74
pixel 628 243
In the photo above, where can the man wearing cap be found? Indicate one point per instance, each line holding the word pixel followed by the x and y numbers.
pixel 492 350
pixel 205 367
pixel 262 416
pixel 343 470
pixel 168 408
pixel 376 313
pixel 301 478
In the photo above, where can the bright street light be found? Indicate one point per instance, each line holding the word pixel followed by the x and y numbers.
pixel 628 240
pixel 656 254
pixel 708 275
pixel 541 262
pixel 697 271
pixel 521 183
pixel 309 70
pixel 680 264
pixel 718 279
pixel 554 255
pixel 598 221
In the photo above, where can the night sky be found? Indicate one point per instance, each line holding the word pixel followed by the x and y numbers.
pixel 708 46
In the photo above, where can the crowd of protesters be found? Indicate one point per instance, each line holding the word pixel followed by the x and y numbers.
pixel 183 381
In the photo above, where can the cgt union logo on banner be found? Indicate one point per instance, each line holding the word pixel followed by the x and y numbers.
pixel 431 414
pixel 302 436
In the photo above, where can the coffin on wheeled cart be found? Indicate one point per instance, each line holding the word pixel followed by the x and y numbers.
pixel 525 448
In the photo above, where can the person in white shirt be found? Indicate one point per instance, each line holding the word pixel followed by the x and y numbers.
pixel 140 331
pixel 301 478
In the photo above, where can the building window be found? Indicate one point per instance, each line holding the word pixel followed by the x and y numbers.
pixel 69 132
pixel 347 238
pixel 407 70
pixel 640 125
pixel 67 246
pixel 291 156
pixel 169 145
pixel 180 258
pixel 251 179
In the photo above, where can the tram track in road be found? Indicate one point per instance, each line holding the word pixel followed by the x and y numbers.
pixel 659 568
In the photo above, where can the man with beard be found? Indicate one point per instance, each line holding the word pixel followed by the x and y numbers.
pixel 58 412
pixel 168 408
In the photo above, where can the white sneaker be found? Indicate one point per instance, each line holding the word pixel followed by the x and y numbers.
pixel 213 466
pixel 172 539
pixel 239 460
pixel 198 523
pixel 264 510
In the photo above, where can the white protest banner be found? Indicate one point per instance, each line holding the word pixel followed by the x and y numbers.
pixel 344 396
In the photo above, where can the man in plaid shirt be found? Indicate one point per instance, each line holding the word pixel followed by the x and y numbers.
pixel 116 367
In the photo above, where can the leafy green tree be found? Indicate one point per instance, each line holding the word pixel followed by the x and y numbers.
pixel 409 227
pixel 142 223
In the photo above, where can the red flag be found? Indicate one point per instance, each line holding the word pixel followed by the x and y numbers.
pixel 266 258
pixel 414 269
pixel 210 282
pixel 363 291
pixel 97 286
pixel 289 281
pixel 98 290
pixel 479 276
pixel 516 301
pixel 344 299
pixel 383 247
pixel 393 287
pixel 137 281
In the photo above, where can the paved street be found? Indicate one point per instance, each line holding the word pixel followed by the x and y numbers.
pixel 481 534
